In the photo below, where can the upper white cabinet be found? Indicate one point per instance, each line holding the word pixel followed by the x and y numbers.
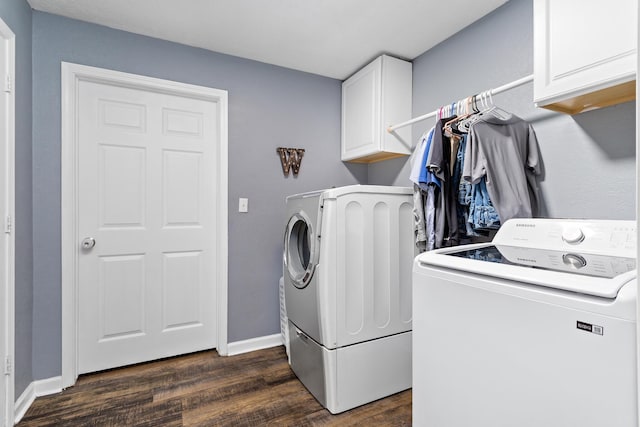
pixel 584 53
pixel 377 96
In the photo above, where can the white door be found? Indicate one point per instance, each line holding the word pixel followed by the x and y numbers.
pixel 146 224
pixel 7 112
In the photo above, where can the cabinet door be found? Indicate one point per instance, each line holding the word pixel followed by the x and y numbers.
pixel 582 46
pixel 361 112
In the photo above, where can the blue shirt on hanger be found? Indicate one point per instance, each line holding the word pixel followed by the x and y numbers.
pixel 426 176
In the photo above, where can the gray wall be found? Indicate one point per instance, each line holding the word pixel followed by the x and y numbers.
pixel 589 158
pixel 268 107
pixel 17 15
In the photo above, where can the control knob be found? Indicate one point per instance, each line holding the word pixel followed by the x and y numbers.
pixel 573 235
pixel 574 260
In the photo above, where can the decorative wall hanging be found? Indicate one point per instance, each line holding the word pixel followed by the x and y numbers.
pixel 290 159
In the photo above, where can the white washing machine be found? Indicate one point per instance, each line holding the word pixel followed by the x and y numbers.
pixel 347 272
pixel 537 328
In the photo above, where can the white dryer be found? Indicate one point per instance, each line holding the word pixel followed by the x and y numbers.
pixel 347 271
pixel 537 328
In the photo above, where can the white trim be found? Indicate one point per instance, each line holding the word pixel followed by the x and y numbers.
pixel 48 386
pixel 36 389
pixel 25 401
pixel 7 209
pixel 253 344
pixel 71 76
pixel 637 210
pixel 222 232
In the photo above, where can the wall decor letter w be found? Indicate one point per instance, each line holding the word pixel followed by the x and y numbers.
pixel 291 159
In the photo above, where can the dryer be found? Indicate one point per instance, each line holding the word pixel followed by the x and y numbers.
pixel 348 253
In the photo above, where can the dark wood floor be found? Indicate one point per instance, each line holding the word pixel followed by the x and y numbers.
pixel 204 389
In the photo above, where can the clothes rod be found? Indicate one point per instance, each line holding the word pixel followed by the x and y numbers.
pixel 494 91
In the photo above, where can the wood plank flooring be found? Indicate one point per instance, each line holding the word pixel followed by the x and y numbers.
pixel 204 389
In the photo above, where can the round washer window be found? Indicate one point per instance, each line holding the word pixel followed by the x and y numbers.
pixel 298 251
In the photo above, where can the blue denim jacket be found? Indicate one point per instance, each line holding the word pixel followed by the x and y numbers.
pixel 481 214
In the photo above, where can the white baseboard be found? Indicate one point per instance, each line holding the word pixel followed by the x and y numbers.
pixel 254 344
pixel 24 402
pixel 35 389
pixel 49 386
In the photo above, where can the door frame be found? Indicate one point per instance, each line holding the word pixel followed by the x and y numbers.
pixel 7 210
pixel 72 75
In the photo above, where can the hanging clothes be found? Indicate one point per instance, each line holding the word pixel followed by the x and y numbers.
pixel 417 157
pixel 446 219
pixel 430 186
pixel 467 198
pixel 431 195
pixel 423 210
pixel 418 205
pixel 482 214
pixel 504 151
pixel 477 171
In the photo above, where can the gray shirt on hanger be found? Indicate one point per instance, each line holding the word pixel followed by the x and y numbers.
pixel 505 152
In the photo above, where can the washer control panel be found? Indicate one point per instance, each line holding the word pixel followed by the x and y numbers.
pixel 605 237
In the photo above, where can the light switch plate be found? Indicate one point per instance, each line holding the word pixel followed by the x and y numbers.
pixel 243 205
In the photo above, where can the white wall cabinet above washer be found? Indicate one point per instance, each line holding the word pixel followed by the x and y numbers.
pixel 377 96
pixel 584 53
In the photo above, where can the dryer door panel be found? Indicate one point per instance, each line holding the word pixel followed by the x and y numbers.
pixel 300 250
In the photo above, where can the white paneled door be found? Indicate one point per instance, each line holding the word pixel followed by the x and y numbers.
pixel 146 225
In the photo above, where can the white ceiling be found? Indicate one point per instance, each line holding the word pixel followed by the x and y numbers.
pixel 332 38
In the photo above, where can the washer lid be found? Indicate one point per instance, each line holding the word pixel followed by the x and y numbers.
pixel 591 274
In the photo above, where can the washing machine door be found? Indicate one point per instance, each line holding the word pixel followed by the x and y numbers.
pixel 300 250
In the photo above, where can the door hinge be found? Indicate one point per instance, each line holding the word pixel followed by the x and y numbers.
pixel 8 367
pixel 8 226
pixel 8 83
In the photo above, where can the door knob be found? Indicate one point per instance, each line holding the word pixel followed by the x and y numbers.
pixel 88 243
